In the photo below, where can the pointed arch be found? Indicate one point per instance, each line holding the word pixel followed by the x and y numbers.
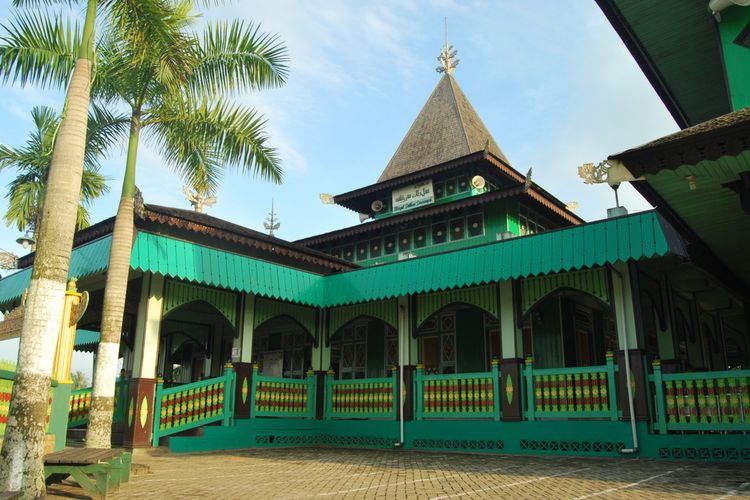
pixel 267 309
pixel 384 310
pixel 594 282
pixel 483 297
pixel 178 293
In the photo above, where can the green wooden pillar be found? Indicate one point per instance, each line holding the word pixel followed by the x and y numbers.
pixel 58 420
pixel 228 394
pixel 328 395
pixel 419 393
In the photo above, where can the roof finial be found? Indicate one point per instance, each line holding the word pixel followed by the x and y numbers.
pixel 272 222
pixel 448 61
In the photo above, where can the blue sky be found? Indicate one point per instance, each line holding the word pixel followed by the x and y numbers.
pixel 551 80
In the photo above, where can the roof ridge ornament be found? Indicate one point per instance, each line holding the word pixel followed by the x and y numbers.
pixel 447 58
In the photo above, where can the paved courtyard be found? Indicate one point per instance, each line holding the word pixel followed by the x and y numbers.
pixel 337 473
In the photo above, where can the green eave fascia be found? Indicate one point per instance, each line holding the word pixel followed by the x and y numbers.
pixel 86 260
pixel 621 239
pixel 631 237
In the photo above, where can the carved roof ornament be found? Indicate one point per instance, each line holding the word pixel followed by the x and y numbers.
pixel 447 58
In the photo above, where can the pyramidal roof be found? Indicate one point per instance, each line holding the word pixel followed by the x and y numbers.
pixel 446 128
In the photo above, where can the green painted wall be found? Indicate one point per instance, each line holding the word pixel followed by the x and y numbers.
pixel 470 340
pixel 736 57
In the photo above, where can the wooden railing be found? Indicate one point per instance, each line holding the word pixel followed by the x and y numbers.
pixel 80 404
pixel 282 397
pixel 581 392
pixel 6 389
pixel 461 395
pixel 7 378
pixel 193 405
pixel 701 401
pixel 361 398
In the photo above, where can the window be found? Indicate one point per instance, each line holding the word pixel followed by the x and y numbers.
pixel 476 225
pixel 463 184
pixel 450 187
pixel 349 253
pixel 389 244
pixel 420 237
pixel 361 251
pixel 530 222
pixel 439 191
pixel 457 229
pixel 404 242
pixel 375 248
pixel 438 233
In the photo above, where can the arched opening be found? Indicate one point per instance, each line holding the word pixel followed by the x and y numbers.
pixel 569 328
pixel 459 338
pixel 195 342
pixel 365 347
pixel 651 323
pixel 282 348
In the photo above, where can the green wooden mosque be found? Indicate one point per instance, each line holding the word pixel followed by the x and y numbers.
pixel 471 310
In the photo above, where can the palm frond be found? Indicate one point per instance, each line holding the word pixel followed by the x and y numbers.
pixel 234 57
pixel 38 48
pixel 236 133
pixel 105 130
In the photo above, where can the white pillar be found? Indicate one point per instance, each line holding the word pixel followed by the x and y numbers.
pixel 148 326
pixel 245 339
pixel 511 342
pixel 624 307
pixel 321 354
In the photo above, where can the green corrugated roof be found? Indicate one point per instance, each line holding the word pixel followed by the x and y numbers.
pixel 86 340
pixel 85 260
pixel 595 244
pixel 599 243
pixel 210 266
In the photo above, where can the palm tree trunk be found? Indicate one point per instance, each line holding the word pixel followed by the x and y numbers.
pixel 21 466
pixel 99 433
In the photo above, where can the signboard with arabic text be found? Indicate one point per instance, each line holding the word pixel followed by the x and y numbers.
pixel 414 196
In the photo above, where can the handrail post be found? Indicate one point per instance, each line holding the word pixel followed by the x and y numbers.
pixel 329 395
pixel 661 416
pixel 397 398
pixel 611 387
pixel 228 395
pixel 419 393
pixel 530 398
pixel 253 386
pixel 157 412
pixel 311 390
pixel 496 388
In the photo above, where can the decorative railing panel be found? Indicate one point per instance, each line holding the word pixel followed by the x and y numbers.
pixel 701 401
pixel 461 395
pixel 282 397
pixel 581 392
pixel 6 389
pixel 361 398
pixel 193 405
pixel 80 405
pixel 7 378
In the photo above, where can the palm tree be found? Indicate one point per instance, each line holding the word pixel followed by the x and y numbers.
pixel 185 113
pixel 37 49
pixel 26 191
pixel 21 466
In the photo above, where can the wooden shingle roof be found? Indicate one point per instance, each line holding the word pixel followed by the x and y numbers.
pixel 446 128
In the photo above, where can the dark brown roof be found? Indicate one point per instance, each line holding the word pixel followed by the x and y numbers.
pixel 219 228
pixel 446 128
pixel 726 135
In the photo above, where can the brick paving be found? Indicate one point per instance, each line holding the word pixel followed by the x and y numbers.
pixel 338 473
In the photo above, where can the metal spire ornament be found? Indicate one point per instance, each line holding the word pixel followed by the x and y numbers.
pixel 447 58
pixel 198 199
pixel 272 223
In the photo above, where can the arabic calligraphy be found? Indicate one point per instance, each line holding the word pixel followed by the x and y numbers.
pixel 413 196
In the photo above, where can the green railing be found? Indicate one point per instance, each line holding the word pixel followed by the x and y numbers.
pixel 460 395
pixel 361 398
pixel 6 391
pixel 80 404
pixel 581 392
pixel 193 405
pixel 282 397
pixel 701 401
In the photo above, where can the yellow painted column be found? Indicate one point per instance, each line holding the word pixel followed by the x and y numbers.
pixel 66 338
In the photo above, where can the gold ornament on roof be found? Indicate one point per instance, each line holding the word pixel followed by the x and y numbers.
pixel 447 58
